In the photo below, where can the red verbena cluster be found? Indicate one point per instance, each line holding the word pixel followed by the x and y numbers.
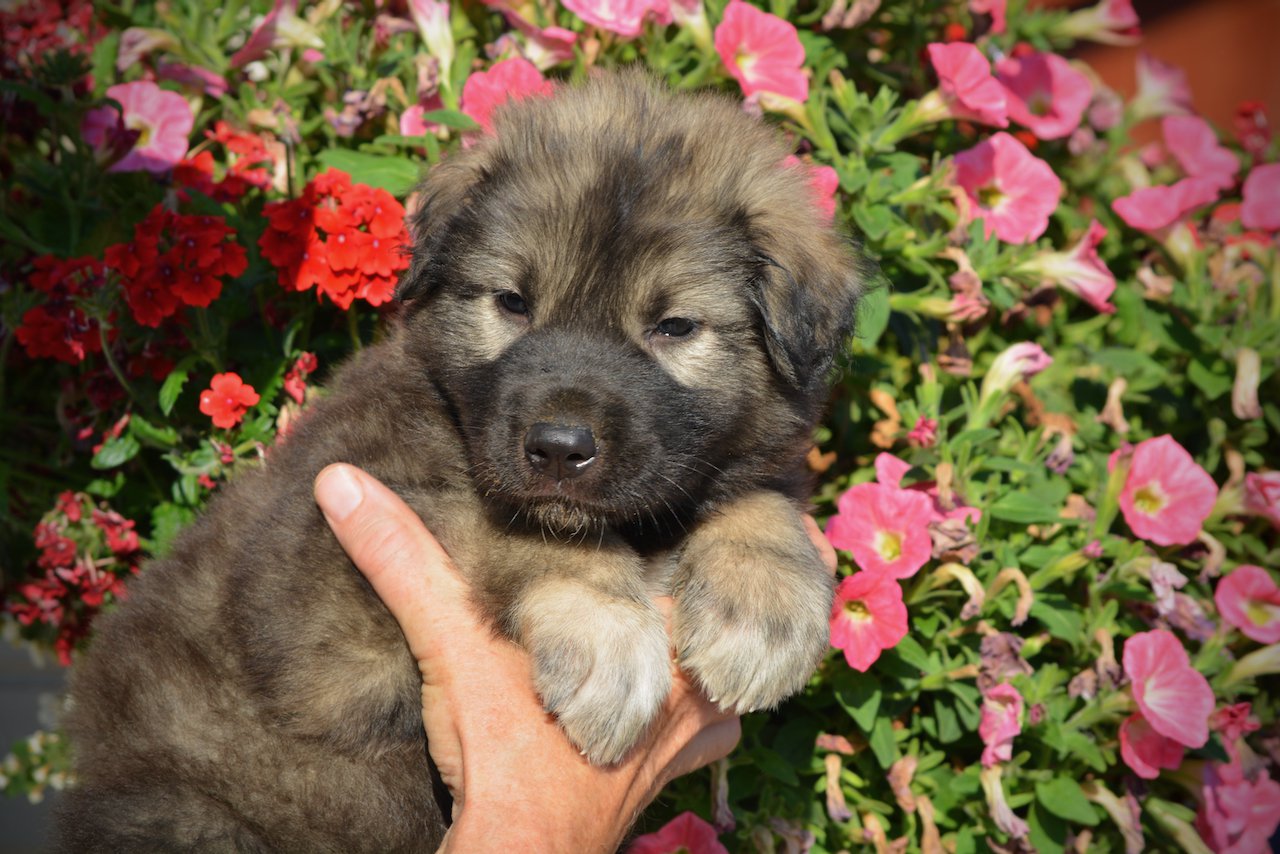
pixel 295 381
pixel 174 260
pixel 58 328
pixel 249 164
pixel 346 240
pixel 86 553
pixel 34 31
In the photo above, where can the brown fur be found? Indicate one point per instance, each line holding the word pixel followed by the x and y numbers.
pixel 253 694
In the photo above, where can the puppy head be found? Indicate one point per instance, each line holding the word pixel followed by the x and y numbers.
pixel 629 301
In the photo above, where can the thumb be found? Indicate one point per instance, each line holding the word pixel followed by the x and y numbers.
pixel 388 543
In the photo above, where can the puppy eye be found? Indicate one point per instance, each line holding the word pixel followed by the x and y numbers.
pixel 513 302
pixel 676 327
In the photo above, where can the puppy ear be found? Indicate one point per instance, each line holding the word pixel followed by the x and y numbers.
pixel 441 198
pixel 807 294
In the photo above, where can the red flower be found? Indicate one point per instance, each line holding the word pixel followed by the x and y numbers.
pixel 966 89
pixel 1261 207
pixel 1253 129
pixel 1001 722
pixel 924 434
pixel 1166 496
pixel 295 381
pixel 1171 695
pixel 121 538
pixel 58 328
pixel 867 617
pixel 1009 189
pixel 1146 751
pixel 884 527
pixel 762 52
pixel 1044 93
pixel 227 400
pixel 1248 599
pixel 685 833
pixel 507 80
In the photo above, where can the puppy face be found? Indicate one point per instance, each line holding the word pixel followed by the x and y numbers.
pixel 625 295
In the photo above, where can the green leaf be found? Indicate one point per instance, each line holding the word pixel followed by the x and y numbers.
pixel 1048 832
pixel 883 744
pixel 775 766
pixel 166 520
pixel 873 314
pixel 173 384
pixel 1060 616
pixel 860 696
pixel 105 488
pixel 116 452
pixel 451 119
pixel 1062 797
pixel 948 722
pixel 164 437
pixel 396 175
pixel 1214 383
pixel 912 653
pixel 1024 509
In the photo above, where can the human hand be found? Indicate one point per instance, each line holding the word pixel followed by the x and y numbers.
pixel 517 782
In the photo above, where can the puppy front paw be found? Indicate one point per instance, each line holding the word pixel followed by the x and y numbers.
pixel 602 665
pixel 753 608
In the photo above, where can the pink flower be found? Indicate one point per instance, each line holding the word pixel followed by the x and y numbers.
pixel 281 27
pixel 1171 695
pixel 1195 146
pixel 1154 208
pixel 1163 89
pixel 1146 751
pixel 889 473
pixel 1248 599
pixel 1044 93
pixel 867 617
pixel 1011 190
pixel 967 89
pixel 1261 208
pixel 924 434
pixel 545 48
pixel 162 120
pixel 994 8
pixel 884 528
pixel 511 79
pixel 1240 811
pixel 624 17
pixel 684 833
pixel 1109 22
pixel 823 183
pixel 1020 361
pixel 762 52
pixel 432 20
pixel 1166 496
pixel 1001 722
pixel 194 77
pixel 1080 270
pixel 1262 495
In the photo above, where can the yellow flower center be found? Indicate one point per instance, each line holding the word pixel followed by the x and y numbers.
pixel 990 197
pixel 888 545
pixel 144 131
pixel 1150 499
pixel 857 611
pixel 1260 613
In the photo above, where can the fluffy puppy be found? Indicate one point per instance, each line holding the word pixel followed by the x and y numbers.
pixel 620 314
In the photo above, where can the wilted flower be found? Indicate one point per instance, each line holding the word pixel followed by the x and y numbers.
pixel 1165 581
pixel 1001 722
pixel 508 80
pixel 1195 146
pixel 1154 208
pixel 1001 813
pixel 1173 697
pixel 1262 495
pixel 837 808
pixel 1044 93
pixel 1244 391
pixel 227 399
pixel 867 617
pixel 1109 22
pixel 1011 190
pixel 1146 751
pixel 1079 270
pixel 1248 599
pixel 1167 495
pixel 685 833
pixel 966 89
pixel 1162 89
pixel 161 119
pixel 1261 207
pixel 762 52
pixel 1019 362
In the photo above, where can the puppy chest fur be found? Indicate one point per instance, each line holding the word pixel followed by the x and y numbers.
pixel 619 316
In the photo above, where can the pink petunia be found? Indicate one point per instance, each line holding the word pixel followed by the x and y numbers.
pixel 1154 208
pixel 1163 89
pixel 508 80
pixel 1173 697
pixel 1009 189
pixel 995 8
pixel 432 18
pixel 161 119
pixel 867 617
pixel 1262 495
pixel 685 833
pixel 884 528
pixel 1001 722
pixel 1109 22
pixel 1195 146
pixel 1166 496
pixel 1017 362
pixel 890 471
pixel 1248 599
pixel 762 52
pixel 1079 270
pixel 281 27
pixel 623 17
pixel 966 89
pixel 1261 207
pixel 1240 811
pixel 1045 94
pixel 1146 751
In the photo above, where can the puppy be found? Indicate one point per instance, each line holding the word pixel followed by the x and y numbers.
pixel 620 314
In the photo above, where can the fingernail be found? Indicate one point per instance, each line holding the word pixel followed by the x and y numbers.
pixel 338 492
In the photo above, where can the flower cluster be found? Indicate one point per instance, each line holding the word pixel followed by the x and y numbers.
pixel 348 241
pixel 58 328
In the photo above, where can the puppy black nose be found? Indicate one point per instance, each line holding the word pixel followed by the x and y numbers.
pixel 560 451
